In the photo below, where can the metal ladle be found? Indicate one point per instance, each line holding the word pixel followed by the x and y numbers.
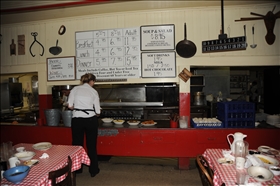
pixel 253 32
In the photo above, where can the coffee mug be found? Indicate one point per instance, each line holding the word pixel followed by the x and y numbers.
pixel 13 162
pixel 239 162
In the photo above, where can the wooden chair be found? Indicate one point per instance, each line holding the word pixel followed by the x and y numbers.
pixel 70 179
pixel 205 172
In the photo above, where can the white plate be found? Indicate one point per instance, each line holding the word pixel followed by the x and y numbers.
pixel 268 150
pixel 272 161
pixel 42 146
pixel 224 161
pixel 118 121
pixel 263 148
pixel 30 162
pixel 148 125
pixel 133 123
pixel 260 173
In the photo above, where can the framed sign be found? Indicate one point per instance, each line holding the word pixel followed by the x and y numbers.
pixel 158 37
pixel 61 68
pixel 158 64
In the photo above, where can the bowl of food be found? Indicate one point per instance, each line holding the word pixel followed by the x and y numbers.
pixel 260 174
pixel 118 121
pixel 26 155
pixel 16 174
pixel 275 170
pixel 107 120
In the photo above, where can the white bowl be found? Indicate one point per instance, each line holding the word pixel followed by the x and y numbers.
pixel 275 170
pixel 107 120
pixel 20 149
pixel 23 156
pixel 118 121
pixel 260 173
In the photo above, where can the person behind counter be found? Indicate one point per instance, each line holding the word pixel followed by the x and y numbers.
pixel 84 101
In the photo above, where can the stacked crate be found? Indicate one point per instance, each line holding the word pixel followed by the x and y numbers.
pixel 236 114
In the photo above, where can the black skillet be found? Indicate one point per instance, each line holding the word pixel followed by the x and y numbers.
pixel 55 50
pixel 186 48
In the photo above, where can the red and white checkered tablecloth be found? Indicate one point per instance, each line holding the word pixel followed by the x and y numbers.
pixel 58 154
pixel 227 173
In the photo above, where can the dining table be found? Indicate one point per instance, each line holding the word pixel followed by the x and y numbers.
pixel 57 156
pixel 226 173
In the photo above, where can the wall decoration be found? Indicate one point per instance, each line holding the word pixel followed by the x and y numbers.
pixel 61 68
pixel 21 44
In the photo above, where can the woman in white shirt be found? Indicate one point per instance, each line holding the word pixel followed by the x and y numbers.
pixel 84 101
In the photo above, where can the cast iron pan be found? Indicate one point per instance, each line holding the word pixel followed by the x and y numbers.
pixel 186 48
pixel 55 50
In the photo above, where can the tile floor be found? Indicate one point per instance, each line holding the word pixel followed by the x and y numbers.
pixel 125 171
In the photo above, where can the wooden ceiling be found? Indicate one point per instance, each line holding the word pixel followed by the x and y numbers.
pixel 8 6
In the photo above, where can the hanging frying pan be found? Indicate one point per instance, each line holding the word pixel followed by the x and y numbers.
pixel 55 50
pixel 186 48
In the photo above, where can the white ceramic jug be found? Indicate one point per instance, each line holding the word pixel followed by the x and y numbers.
pixel 236 137
pixel 13 161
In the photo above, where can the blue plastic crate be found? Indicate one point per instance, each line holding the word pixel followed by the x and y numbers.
pixel 206 125
pixel 236 114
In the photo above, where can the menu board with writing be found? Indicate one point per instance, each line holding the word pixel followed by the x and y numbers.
pixel 61 68
pixel 158 37
pixel 108 54
pixel 159 64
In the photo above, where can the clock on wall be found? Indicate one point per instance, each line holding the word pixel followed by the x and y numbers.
pixel 21 44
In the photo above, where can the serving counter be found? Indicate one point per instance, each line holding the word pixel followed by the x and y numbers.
pixel 154 141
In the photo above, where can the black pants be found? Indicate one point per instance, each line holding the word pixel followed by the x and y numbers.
pixel 88 126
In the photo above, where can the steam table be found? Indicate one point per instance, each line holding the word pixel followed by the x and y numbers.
pixel 58 154
pixel 227 173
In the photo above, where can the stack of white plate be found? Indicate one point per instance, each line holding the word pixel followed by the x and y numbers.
pixel 273 119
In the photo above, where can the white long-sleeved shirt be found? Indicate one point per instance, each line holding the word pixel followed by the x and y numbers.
pixel 84 97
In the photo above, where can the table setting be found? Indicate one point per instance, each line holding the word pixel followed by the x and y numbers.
pixel 240 165
pixel 29 164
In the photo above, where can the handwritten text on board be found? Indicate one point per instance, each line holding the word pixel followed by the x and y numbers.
pixel 113 53
pixel 159 64
pixel 62 68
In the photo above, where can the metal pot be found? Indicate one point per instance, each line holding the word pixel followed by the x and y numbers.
pixel 198 98
pixel 186 48
pixel 13 80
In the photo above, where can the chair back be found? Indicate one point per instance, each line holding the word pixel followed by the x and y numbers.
pixel 66 170
pixel 205 172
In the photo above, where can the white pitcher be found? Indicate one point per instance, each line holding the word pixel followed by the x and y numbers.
pixel 13 161
pixel 236 137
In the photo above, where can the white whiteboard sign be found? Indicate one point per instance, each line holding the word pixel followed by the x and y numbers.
pixel 108 54
pixel 61 68
pixel 158 37
pixel 159 64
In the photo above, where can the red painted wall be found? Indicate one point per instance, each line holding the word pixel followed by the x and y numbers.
pixel 45 102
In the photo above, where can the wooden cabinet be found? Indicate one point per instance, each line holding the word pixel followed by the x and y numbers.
pixel 154 142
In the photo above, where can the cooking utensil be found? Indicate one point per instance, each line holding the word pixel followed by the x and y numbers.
pixel 253 32
pixel 55 50
pixel 185 48
pixel 35 34
pixel 245 35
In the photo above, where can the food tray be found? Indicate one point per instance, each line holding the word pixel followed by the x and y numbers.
pixel 207 125
pixel 236 114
